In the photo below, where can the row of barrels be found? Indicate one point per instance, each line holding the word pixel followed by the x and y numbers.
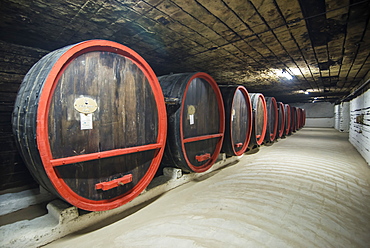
pixel 93 123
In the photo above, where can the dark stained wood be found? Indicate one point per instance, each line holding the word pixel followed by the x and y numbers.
pixel 288 118
pixel 272 119
pixel 206 117
pixel 82 177
pixel 238 119
pixel 126 117
pixel 281 119
pixel 303 117
pixel 299 118
pixel 293 119
pixel 259 119
pixel 242 111
pixel 198 112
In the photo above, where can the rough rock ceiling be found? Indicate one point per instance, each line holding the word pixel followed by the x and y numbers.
pixel 324 45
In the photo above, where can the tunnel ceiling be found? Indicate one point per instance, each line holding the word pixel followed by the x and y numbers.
pixel 323 45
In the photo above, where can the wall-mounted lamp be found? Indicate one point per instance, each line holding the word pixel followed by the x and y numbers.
pixel 286 74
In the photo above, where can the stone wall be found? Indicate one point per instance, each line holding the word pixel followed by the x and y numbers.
pixel 15 61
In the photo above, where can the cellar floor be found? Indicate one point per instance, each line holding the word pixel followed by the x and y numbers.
pixel 311 189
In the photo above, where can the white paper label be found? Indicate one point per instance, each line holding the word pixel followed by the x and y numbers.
pixel 191 119
pixel 86 121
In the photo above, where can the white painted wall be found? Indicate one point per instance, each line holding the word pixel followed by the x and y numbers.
pixel 320 114
pixel 359 131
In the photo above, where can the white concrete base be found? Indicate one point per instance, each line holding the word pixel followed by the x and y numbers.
pixel 12 202
pixel 63 219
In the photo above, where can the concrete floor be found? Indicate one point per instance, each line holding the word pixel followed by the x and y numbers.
pixel 311 189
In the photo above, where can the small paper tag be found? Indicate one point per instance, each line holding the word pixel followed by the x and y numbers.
pixel 86 121
pixel 191 119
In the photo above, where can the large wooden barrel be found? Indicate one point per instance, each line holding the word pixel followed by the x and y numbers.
pixel 238 119
pixel 196 121
pixel 303 117
pixel 288 117
pixel 293 119
pixel 272 119
pixel 90 123
pixel 259 124
pixel 281 119
pixel 299 118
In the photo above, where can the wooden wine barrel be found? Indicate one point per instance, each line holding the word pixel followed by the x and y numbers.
pixel 299 118
pixel 272 119
pixel 238 117
pixel 259 124
pixel 281 119
pixel 293 119
pixel 303 117
pixel 90 123
pixel 288 117
pixel 196 121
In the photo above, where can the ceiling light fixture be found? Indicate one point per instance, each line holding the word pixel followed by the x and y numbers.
pixel 286 74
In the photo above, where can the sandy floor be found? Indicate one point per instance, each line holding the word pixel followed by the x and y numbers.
pixel 309 190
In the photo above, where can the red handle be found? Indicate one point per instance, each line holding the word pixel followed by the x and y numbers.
pixel 114 183
pixel 238 144
pixel 203 157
